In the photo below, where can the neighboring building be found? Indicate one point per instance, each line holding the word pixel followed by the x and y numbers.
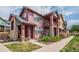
pixel 31 24
pixel 4 25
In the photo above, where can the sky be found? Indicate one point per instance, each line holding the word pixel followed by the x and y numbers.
pixel 70 13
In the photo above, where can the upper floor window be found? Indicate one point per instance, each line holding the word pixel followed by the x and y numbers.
pixel 25 15
pixel 38 29
pixel 59 30
pixel 37 18
pixel 55 20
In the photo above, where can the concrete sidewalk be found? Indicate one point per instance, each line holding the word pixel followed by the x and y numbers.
pixel 37 43
pixel 3 48
pixel 54 47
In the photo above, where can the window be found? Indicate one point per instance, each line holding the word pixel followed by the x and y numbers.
pixel 59 30
pixel 38 18
pixel 12 25
pixel 25 15
pixel 38 29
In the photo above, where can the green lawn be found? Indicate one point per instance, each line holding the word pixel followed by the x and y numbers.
pixel 72 46
pixel 22 47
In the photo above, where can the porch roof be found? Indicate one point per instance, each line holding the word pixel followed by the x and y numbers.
pixel 3 23
pixel 24 22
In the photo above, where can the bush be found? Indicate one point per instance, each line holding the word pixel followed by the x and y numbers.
pixel 77 38
pixel 51 38
pixel 76 34
pixel 56 38
pixel 45 38
pixel 62 35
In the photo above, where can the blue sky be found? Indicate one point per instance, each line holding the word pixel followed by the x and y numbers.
pixel 70 13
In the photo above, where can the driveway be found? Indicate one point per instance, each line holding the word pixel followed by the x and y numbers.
pixel 54 47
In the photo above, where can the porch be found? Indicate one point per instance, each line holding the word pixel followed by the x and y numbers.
pixel 26 32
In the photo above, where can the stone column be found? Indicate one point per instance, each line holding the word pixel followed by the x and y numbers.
pixel 14 29
pixel 33 32
pixel 22 32
pixel 51 26
pixel 57 27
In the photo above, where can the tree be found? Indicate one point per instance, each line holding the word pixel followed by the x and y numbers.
pixel 74 28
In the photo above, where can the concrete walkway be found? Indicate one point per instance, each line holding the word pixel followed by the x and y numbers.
pixel 37 43
pixel 54 47
pixel 3 48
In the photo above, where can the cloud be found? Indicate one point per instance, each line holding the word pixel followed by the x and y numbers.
pixel 68 10
pixel 5 11
pixel 67 13
pixel 72 22
pixel 70 15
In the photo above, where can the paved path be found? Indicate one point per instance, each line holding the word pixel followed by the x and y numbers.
pixel 3 48
pixel 54 47
pixel 37 43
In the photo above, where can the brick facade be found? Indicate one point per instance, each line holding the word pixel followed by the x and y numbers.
pixel 36 24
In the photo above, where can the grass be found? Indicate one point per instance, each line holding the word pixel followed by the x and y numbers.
pixel 72 46
pixel 22 47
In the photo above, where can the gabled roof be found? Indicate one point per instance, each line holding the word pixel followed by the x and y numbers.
pixel 55 13
pixel 31 10
pixel 65 23
pixel 24 21
pixel 46 15
pixel 62 18
pixel 3 22
pixel 21 20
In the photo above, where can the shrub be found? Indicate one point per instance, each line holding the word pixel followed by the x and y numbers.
pixel 56 38
pixel 76 34
pixel 62 35
pixel 45 38
pixel 51 38
pixel 77 38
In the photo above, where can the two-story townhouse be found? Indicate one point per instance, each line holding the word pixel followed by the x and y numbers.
pixel 31 24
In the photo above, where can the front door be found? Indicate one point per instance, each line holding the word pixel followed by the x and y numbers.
pixel 26 31
pixel 55 31
pixel 29 31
